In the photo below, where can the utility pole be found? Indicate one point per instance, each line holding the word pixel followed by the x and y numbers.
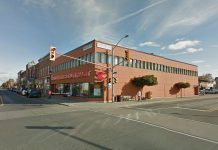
pixel 112 69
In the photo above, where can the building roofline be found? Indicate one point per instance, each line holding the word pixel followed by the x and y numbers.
pixel 152 54
pixel 46 55
pixel 80 46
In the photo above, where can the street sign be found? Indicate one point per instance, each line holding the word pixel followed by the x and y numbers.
pixel 109 85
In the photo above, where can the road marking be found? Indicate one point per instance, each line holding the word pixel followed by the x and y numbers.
pixel 161 127
pixel 190 109
pixel 1 100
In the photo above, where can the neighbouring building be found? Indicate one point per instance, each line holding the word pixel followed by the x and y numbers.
pixel 216 82
pixel 31 74
pixel 43 76
pixel 78 78
pixel 21 79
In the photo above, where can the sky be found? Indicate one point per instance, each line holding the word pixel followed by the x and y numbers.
pixel 184 30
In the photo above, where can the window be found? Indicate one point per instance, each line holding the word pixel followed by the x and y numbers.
pixel 130 62
pixel 105 58
pixel 121 61
pixel 139 64
pixel 147 65
pixel 98 57
pixel 154 66
pixel 116 60
pixel 134 63
pixel 84 89
pixel 110 59
pixel 143 64
pixel 95 89
pixel 150 65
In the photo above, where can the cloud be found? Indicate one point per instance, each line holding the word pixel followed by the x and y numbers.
pixel 163 48
pixel 41 3
pixel 214 46
pixel 185 16
pixel 149 43
pixel 3 73
pixel 135 13
pixel 198 61
pixel 183 44
pixel 208 66
pixel 194 50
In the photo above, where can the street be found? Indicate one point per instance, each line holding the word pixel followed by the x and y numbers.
pixel 35 123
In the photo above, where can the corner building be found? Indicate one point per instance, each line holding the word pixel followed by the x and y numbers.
pixel 78 78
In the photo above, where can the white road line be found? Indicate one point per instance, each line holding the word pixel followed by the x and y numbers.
pixel 161 127
pixel 149 108
pixel 191 109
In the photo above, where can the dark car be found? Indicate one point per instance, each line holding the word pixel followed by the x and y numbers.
pixel 33 93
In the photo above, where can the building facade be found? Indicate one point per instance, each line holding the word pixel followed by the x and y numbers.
pixel 43 75
pixel 78 78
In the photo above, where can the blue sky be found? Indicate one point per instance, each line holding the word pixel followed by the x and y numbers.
pixel 184 30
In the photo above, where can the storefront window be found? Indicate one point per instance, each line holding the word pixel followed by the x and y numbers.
pixel 75 90
pixel 84 89
pixel 96 89
pixel 66 88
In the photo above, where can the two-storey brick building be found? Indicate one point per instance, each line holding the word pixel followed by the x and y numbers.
pixel 78 78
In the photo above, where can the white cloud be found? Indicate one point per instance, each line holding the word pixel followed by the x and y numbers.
pixel 136 12
pixel 215 46
pixel 208 66
pixel 183 44
pixel 197 61
pixel 149 43
pixel 194 50
pixel 41 3
pixel 163 48
pixel 185 16
pixel 3 73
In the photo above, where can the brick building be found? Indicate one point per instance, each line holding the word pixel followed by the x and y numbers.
pixel 78 78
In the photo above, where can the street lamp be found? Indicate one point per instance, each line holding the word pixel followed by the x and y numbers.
pixel 112 69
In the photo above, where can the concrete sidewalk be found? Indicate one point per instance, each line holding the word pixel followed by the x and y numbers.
pixel 69 101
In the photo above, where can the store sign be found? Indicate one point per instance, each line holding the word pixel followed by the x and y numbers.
pixel 87 46
pixel 105 46
pixel 79 74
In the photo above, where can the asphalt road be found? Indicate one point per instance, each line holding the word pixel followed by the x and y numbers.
pixel 36 125
pixel 204 110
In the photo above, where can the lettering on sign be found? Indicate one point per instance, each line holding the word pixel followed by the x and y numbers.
pixel 71 75
pixel 105 46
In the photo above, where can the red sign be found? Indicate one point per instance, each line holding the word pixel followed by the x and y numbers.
pixel 100 75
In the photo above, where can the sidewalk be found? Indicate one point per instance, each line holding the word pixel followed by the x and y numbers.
pixel 69 101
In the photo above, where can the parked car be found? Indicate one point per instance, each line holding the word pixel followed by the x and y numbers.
pixel 33 93
pixel 24 92
pixel 211 91
pixel 202 92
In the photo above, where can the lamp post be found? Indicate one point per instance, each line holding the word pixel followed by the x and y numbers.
pixel 112 69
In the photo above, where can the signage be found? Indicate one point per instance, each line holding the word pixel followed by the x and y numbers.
pixel 104 46
pixel 87 46
pixel 109 85
pixel 71 75
pixel 100 75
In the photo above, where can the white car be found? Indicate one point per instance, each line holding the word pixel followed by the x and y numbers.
pixel 23 92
